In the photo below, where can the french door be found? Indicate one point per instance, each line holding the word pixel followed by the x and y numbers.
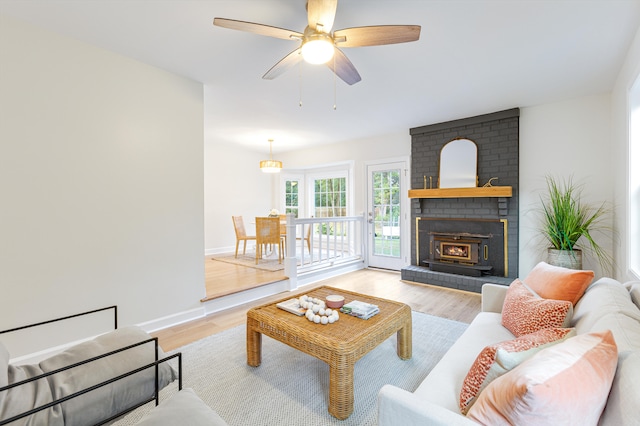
pixel 387 214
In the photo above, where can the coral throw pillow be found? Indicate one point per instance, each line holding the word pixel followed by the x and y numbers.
pixel 525 312
pixel 565 384
pixel 555 282
pixel 497 359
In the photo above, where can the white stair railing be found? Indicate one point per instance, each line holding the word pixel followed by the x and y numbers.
pixel 332 242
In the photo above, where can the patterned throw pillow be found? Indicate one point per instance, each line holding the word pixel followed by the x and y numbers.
pixel 524 311
pixel 555 282
pixel 495 360
pixel 565 384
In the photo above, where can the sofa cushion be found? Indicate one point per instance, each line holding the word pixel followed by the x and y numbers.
pixel 182 408
pixel 495 360
pixel 116 397
pixel 607 305
pixel 566 383
pixel 525 312
pixel 25 397
pixel 622 404
pixel 443 384
pixel 634 291
pixel 555 282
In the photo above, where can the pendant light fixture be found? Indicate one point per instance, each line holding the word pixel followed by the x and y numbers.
pixel 270 165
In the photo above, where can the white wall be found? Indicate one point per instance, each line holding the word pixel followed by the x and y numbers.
pixel 620 151
pixel 564 139
pixel 101 181
pixel 234 186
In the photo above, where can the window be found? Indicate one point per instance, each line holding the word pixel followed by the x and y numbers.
pixel 330 200
pixel 317 192
pixel 330 197
pixel 291 197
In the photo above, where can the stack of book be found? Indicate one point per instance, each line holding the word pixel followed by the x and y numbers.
pixel 293 306
pixel 360 309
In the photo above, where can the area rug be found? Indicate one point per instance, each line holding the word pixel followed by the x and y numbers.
pixel 292 388
pixel 266 264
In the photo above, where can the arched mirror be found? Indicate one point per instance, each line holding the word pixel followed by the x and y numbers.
pixel 459 164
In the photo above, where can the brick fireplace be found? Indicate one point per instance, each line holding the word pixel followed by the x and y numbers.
pixel 461 241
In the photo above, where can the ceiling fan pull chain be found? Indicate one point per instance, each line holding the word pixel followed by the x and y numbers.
pixel 300 85
pixel 335 91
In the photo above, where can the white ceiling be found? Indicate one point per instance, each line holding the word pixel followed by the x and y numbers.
pixel 473 57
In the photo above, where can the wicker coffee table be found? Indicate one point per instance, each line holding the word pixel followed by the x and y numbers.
pixel 340 344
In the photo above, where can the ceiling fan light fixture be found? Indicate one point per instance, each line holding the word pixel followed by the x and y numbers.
pixel 319 45
pixel 270 165
pixel 317 49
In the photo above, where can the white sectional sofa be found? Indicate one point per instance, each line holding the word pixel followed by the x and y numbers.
pixel 606 305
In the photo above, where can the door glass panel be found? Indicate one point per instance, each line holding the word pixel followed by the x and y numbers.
pixel 386 213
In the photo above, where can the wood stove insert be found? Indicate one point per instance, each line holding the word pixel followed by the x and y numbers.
pixel 448 248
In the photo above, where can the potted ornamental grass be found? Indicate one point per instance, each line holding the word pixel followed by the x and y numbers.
pixel 569 225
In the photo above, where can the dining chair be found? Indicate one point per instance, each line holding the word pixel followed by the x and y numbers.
pixel 241 234
pixel 307 237
pixel 283 225
pixel 268 233
pixel 283 231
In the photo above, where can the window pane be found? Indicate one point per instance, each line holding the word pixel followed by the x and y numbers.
pixel 330 197
pixel 291 197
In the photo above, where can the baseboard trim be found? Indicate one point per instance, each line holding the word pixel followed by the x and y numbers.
pixel 235 299
pixel 231 249
pixel 172 320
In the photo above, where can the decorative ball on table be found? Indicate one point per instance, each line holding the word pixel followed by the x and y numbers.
pixel 317 311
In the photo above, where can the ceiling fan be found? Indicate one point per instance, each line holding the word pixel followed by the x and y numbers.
pixel 319 45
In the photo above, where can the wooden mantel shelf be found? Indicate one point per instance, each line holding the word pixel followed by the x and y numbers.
pixel 490 191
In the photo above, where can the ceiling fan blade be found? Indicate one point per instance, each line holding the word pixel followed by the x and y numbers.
pixel 285 64
pixel 376 35
pixel 342 66
pixel 265 30
pixel 321 13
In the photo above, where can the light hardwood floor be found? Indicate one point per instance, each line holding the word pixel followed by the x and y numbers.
pixel 223 278
pixel 452 304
